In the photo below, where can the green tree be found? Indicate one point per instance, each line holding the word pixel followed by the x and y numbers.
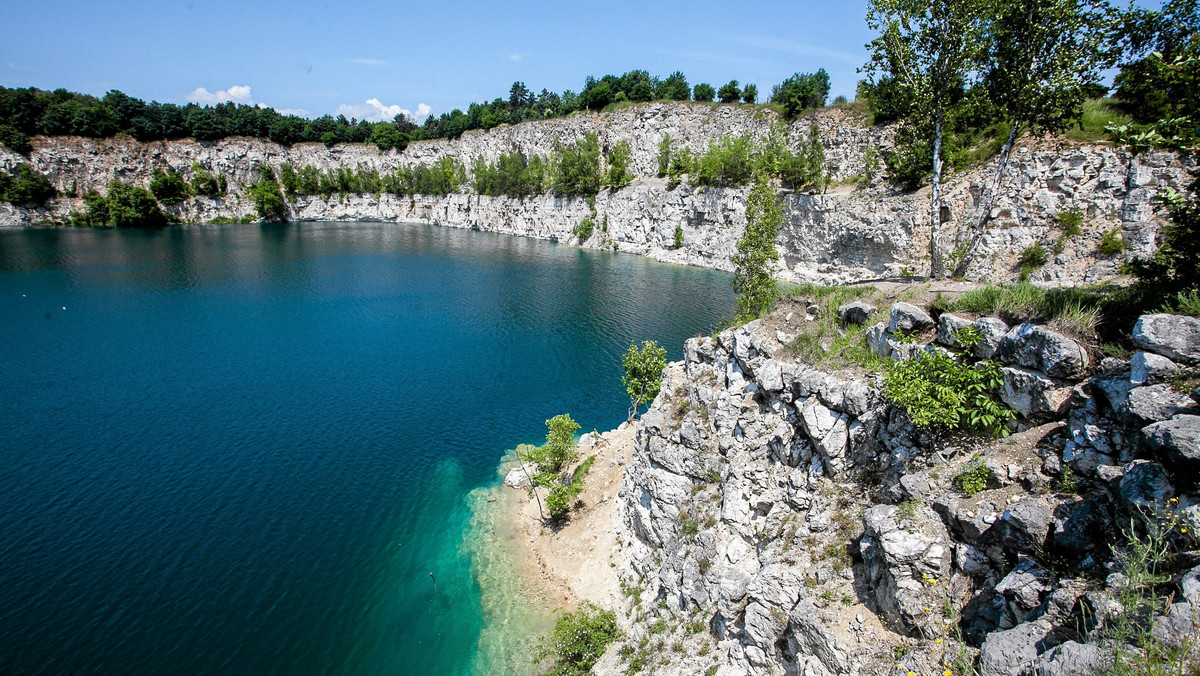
pixel 750 93
pixel 168 186
pixel 578 640
pixel 1039 59
pixel 576 167
pixel 673 88
pixel 643 373
pixel 558 451
pixel 386 135
pixel 618 175
pixel 703 92
pixel 801 92
pixel 15 139
pixel 664 155
pixel 756 254
pixel 641 92
pixel 929 47
pixel 125 206
pixel 268 200
pixel 27 187
pixel 730 92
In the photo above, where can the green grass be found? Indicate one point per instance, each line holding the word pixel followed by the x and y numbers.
pixel 1183 303
pixel 1112 243
pixel 1075 310
pixel 1097 114
pixel 824 342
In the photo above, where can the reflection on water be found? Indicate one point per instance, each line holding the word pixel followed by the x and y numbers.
pixel 244 448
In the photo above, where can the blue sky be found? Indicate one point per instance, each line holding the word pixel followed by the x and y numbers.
pixel 321 56
pixel 372 59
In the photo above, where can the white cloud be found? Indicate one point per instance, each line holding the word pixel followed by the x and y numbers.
pixel 514 57
pixel 369 62
pixel 236 93
pixel 299 112
pixel 375 111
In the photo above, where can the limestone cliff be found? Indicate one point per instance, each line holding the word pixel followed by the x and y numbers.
pixel 779 519
pixel 851 232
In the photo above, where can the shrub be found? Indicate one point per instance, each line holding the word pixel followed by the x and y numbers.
pixel 578 640
pixel 806 169
pixel 1070 222
pixel 204 183
pixel 585 229
pixel 15 140
pixel 678 236
pixel 168 186
pixel 1175 265
pixel 973 478
pixel 750 93
pixel 664 155
pixel 125 206
pixel 941 392
pixel 513 175
pixel 703 92
pixel 730 92
pixel 576 167
pixel 27 187
pixel 268 200
pixel 1032 257
pixel 727 162
pixel 1111 243
pixel 618 175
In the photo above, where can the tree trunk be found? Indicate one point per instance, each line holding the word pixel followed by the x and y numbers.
pixel 937 267
pixel 988 199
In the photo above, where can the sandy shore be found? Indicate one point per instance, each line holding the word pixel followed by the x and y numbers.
pixel 577 561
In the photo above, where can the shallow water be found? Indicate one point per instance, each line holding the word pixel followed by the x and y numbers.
pixel 244 449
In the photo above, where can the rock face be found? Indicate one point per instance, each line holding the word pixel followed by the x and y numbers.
pixel 834 237
pixel 745 509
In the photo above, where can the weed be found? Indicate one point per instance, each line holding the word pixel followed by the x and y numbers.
pixel 907 511
pixel 1112 243
pixel 974 477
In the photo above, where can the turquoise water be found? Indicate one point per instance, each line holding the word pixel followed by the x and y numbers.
pixel 244 449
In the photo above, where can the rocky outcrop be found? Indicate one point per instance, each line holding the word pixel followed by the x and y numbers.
pixel 845 234
pixel 797 522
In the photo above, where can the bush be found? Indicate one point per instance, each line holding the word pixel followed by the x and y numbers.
pixel 973 478
pixel 750 93
pixel 1033 257
pixel 585 229
pixel 728 162
pixel 678 243
pixel 1111 243
pixel 513 175
pixel 1175 265
pixel 578 640
pixel 664 155
pixel 168 186
pixel 806 169
pixel 618 175
pixel 28 187
pixel 801 91
pixel 576 167
pixel 204 183
pixel 15 140
pixel 268 201
pixel 125 206
pixel 938 391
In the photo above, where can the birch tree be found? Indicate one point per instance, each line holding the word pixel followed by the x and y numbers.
pixel 1039 56
pixel 930 49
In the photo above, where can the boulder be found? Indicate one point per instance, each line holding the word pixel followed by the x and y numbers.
pixel 907 317
pixel 856 312
pixel 1175 441
pixel 1147 368
pixel 1032 394
pixel 1152 403
pixel 1172 336
pixel 1013 651
pixel 992 330
pixel 1041 349
pixel 1081 526
pixel 1023 527
pixel 517 478
pixel 1071 659
pixel 1145 485
pixel 948 325
pixel 1024 589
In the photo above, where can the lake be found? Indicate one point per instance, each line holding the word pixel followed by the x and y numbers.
pixel 245 449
